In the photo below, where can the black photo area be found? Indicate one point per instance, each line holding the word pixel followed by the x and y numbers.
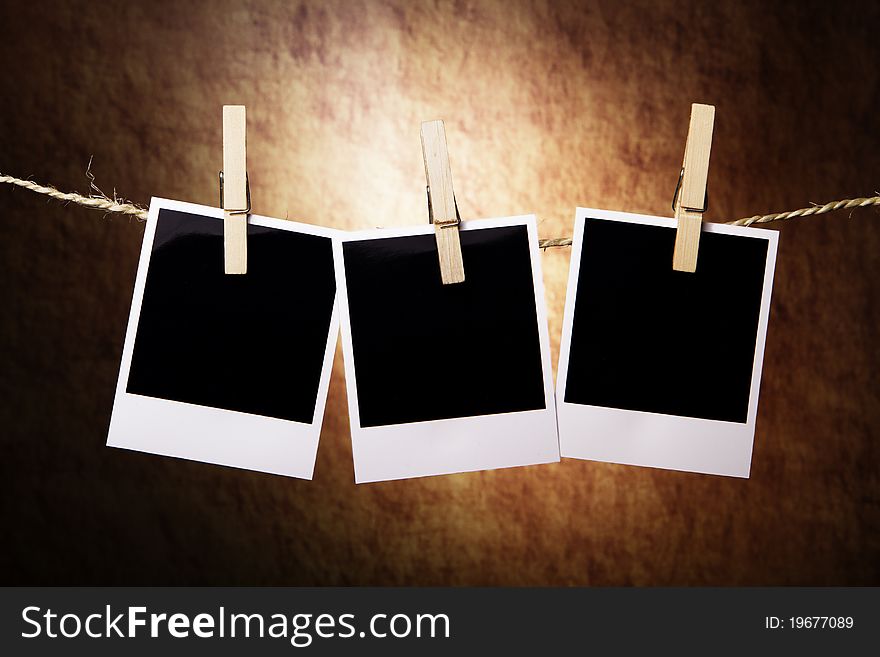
pixel 253 343
pixel 427 351
pixel 647 338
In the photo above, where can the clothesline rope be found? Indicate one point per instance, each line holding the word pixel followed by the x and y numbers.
pixel 99 201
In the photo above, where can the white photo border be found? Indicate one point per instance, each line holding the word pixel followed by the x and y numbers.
pixel 657 440
pixel 447 446
pixel 213 435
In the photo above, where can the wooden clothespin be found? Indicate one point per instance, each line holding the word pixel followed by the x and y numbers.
pixel 235 193
pixel 442 209
pixel 691 199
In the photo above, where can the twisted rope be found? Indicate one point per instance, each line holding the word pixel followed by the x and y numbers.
pixel 100 201
pixel 806 212
pixel 95 201
pixel 762 218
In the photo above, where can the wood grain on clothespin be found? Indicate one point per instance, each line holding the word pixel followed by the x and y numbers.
pixel 441 202
pixel 236 203
pixel 690 201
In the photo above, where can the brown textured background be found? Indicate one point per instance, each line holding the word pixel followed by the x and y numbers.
pixel 548 105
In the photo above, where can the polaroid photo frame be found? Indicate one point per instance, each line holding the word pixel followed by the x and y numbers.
pixel 228 369
pixel 445 378
pixel 661 368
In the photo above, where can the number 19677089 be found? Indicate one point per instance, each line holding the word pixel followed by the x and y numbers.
pixel 809 622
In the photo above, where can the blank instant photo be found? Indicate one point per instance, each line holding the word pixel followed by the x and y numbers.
pixel 223 368
pixel 658 367
pixel 445 378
